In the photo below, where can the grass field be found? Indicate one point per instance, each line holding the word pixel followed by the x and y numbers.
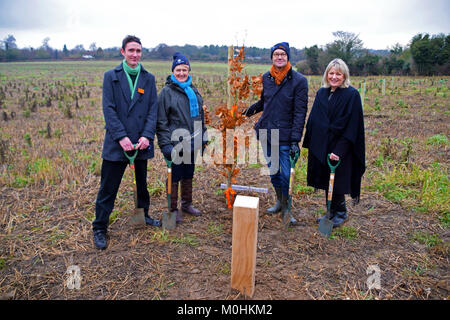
pixel 51 136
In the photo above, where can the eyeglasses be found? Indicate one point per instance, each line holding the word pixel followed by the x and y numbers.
pixel 280 55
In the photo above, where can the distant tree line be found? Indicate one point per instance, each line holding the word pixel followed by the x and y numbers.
pixel 217 53
pixel 425 55
pixel 10 52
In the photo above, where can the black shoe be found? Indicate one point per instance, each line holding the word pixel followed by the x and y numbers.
pixel 332 214
pixel 339 219
pixel 340 209
pixel 100 239
pixel 152 222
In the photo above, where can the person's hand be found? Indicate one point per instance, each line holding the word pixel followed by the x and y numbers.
pixel 143 143
pixel 334 157
pixel 126 144
pixel 295 150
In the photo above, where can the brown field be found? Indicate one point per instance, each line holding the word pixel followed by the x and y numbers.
pixel 51 136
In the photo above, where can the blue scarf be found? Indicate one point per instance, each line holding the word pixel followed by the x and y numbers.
pixel 186 86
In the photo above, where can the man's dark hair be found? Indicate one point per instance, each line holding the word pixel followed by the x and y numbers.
pixel 130 39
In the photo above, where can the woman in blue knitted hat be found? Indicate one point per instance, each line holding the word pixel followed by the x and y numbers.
pixel 181 131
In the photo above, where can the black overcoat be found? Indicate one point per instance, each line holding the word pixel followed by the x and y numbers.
pixel 128 118
pixel 336 126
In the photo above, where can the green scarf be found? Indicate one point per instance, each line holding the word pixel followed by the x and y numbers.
pixel 134 72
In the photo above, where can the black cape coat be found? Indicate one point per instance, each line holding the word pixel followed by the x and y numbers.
pixel 336 126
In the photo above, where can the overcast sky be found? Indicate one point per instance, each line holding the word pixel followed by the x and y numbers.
pixel 379 23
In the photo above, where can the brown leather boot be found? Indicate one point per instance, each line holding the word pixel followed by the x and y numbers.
pixel 186 198
pixel 174 202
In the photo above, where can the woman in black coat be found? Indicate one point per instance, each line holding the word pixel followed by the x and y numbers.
pixel 180 130
pixel 336 126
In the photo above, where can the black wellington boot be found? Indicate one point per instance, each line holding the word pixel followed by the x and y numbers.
pixel 277 207
pixel 286 212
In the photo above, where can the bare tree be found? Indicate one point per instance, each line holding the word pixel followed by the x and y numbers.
pixel 45 44
pixel 93 47
pixel 9 42
pixel 347 46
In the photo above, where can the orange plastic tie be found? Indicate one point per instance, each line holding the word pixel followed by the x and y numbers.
pixel 229 194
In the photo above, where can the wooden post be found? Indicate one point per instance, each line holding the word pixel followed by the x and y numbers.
pixel 384 88
pixel 230 98
pixel 230 101
pixel 245 232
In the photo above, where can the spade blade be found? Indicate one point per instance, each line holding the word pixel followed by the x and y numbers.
pixel 137 219
pixel 169 220
pixel 326 226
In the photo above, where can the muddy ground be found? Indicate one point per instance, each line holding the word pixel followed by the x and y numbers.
pixel 194 260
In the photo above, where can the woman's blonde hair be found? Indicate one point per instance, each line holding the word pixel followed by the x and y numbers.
pixel 341 66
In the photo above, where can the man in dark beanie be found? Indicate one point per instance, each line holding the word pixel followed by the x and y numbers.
pixel 284 101
pixel 282 46
pixel 130 110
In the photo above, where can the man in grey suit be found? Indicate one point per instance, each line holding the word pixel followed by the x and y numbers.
pixel 130 109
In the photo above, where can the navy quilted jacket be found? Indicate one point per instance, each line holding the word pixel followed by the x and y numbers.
pixel 284 106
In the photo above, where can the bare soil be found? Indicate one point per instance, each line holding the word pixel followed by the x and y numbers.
pixel 146 264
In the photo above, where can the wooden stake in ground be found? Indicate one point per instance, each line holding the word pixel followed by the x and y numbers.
pixel 245 234
pixel 229 192
pixel 230 98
